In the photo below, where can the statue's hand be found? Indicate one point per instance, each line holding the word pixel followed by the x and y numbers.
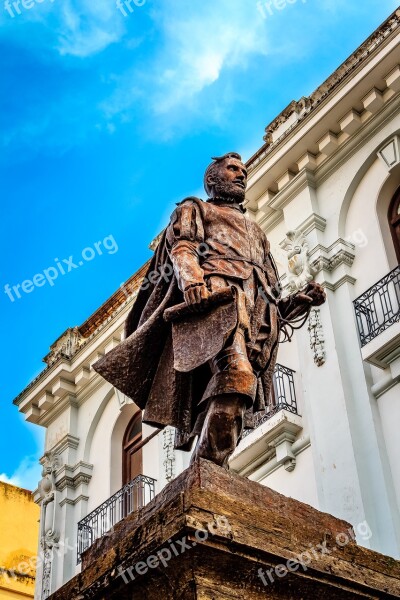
pixel 314 294
pixel 195 295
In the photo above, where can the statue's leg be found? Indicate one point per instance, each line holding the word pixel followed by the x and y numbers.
pixel 230 391
pixel 222 429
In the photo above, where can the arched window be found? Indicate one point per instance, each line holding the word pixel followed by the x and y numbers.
pixel 132 462
pixel 394 221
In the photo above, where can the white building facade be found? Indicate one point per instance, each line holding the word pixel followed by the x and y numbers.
pixel 325 188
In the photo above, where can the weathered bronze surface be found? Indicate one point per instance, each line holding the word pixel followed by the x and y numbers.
pixel 213 535
pixel 202 337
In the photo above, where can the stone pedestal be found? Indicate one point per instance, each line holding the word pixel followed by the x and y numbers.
pixel 213 535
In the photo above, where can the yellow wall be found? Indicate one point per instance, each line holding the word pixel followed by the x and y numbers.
pixel 19 532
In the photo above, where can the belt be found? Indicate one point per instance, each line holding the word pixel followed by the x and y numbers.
pixel 272 292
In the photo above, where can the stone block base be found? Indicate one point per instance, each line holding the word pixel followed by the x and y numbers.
pixel 213 535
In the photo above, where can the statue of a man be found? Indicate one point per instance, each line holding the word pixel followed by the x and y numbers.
pixel 202 337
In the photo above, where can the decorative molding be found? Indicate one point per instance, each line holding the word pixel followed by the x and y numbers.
pixel 49 533
pixel 328 143
pixel 317 339
pixel 351 122
pixel 169 453
pixel 271 442
pixel 330 264
pixel 304 179
pixel 383 351
pixel 312 222
pixel 307 161
pixel 122 399
pixel 65 346
pixel 389 154
pixel 343 257
pixel 68 441
pixel 62 404
pixel 373 101
pixel 75 501
pixel 383 385
pixel 329 259
pixel 334 286
pixel 282 444
pixel 73 476
pixel 393 79
pixel 296 112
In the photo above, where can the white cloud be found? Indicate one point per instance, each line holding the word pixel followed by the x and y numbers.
pixel 77 28
pixel 199 44
pixel 6 479
pixel 27 474
pixel 87 27
pixel 29 471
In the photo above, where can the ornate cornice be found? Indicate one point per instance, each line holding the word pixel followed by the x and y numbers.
pixel 334 286
pixel 307 105
pixel 323 263
pixel 341 252
pixel 68 441
pixel 73 477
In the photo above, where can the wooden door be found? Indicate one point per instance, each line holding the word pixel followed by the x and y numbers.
pixel 132 460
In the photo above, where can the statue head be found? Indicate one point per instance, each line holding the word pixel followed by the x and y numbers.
pixel 226 178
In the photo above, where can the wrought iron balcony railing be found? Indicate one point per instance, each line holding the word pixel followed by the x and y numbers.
pixel 283 396
pixel 379 307
pixel 133 496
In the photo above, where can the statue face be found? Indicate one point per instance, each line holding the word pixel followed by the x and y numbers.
pixel 229 180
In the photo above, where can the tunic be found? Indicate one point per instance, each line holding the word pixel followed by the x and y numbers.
pixel 215 243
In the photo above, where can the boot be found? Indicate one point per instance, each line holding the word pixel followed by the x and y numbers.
pixel 221 430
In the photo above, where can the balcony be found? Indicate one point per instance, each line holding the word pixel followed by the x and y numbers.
pixel 283 397
pixel 133 496
pixel 378 320
pixel 379 307
pixel 276 429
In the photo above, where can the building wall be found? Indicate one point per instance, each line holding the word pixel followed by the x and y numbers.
pixel 351 439
pixel 19 532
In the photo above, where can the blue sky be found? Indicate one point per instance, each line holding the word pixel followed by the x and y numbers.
pixel 106 121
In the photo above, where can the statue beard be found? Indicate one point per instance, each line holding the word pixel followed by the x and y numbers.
pixel 229 191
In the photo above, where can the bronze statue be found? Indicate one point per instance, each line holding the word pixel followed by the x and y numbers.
pixel 202 337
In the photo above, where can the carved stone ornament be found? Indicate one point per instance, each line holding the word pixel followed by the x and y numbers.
pixel 299 268
pixel 50 463
pixel 169 453
pixel 66 346
pixel 317 340
pixel 49 534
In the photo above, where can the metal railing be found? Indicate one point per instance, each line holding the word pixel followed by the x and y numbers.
pixel 133 496
pixel 283 396
pixel 379 307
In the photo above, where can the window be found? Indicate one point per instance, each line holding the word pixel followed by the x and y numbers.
pixel 394 221
pixel 132 460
